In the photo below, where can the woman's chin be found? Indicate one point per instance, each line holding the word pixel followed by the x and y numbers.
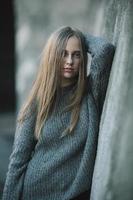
pixel 68 75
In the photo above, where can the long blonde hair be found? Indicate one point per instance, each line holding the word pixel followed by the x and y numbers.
pixel 45 87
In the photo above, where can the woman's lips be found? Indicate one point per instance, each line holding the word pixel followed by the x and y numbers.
pixel 68 69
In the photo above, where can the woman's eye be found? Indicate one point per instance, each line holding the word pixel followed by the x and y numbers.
pixel 74 55
pixel 77 55
pixel 64 53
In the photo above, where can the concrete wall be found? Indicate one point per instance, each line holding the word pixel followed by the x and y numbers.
pixel 113 177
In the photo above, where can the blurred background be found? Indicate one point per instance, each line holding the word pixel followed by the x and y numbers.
pixel 25 27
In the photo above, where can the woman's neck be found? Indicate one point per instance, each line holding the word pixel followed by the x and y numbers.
pixel 68 82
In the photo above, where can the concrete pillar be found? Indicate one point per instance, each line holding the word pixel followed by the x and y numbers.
pixel 113 177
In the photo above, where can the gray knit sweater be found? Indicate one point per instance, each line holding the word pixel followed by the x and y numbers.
pixel 54 167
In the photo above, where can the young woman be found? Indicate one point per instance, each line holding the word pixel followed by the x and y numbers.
pixel 56 135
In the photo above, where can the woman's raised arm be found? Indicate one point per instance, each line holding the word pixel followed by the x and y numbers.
pixel 102 53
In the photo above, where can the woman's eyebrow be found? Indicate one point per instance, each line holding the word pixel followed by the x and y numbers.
pixel 77 51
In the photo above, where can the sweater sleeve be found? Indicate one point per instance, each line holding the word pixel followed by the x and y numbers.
pixel 102 53
pixel 24 143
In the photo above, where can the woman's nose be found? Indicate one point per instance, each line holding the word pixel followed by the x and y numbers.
pixel 69 60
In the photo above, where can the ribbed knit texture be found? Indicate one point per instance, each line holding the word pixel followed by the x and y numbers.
pixel 55 167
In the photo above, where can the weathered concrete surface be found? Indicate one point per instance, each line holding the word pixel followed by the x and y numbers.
pixel 113 176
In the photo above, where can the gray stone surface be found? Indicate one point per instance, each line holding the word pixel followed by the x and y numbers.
pixel 113 177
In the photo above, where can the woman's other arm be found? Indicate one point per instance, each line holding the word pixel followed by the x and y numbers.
pixel 24 144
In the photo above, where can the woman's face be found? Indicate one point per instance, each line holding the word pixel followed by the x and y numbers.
pixel 71 61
